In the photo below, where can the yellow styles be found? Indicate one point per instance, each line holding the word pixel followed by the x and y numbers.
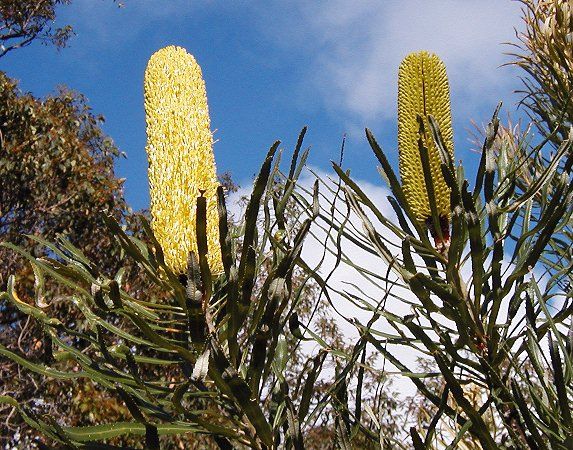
pixel 180 155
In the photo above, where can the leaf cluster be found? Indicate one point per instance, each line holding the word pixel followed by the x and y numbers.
pixel 482 330
pixel 227 337
pixel 545 54
pixel 57 171
pixel 23 21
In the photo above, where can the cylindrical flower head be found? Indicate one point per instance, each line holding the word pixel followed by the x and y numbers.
pixel 423 89
pixel 180 155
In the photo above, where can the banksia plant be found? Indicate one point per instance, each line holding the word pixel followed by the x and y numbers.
pixel 486 308
pixel 495 324
pixel 545 53
pixel 547 58
pixel 193 354
pixel 180 154
pixel 422 91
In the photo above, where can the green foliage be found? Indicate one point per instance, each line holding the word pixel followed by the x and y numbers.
pixel 57 171
pixel 227 338
pixel 56 167
pixel 25 21
pixel 481 331
pixel 546 56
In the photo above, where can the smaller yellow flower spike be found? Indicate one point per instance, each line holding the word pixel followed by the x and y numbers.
pixel 422 90
pixel 180 155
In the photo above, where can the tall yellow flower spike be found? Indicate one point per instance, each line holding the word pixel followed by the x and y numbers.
pixel 180 155
pixel 423 89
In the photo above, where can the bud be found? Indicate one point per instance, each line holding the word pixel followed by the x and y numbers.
pixel 423 90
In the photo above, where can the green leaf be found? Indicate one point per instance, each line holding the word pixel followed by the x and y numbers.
pixel 202 248
pixel 108 431
pixel 559 381
pixel 309 385
pixel 491 133
pixel 395 186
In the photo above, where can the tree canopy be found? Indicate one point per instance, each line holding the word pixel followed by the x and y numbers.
pixel 23 21
pixel 57 172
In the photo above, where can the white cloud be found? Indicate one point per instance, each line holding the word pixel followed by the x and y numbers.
pixel 355 48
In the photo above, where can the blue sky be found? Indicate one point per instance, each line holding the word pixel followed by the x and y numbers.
pixel 273 66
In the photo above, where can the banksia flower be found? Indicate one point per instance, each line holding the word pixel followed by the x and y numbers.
pixel 422 90
pixel 180 154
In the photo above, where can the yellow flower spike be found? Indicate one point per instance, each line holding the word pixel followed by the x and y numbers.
pixel 180 155
pixel 422 90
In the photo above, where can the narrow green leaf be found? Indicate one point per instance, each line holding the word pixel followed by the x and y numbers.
pixel 309 385
pixel 429 182
pixel 491 133
pixel 230 382
pixel 202 247
pixel 293 430
pixel 559 381
pixel 395 186
pixel 224 236
pixel 251 214
pixel 477 245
